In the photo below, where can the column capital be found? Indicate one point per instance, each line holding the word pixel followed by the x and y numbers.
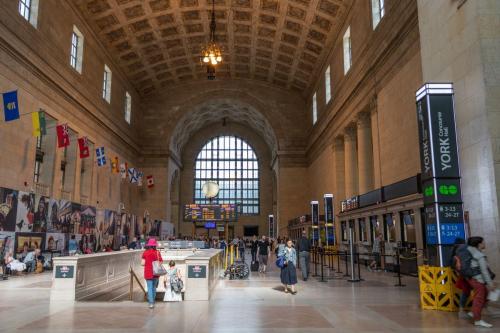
pixel 350 131
pixel 363 119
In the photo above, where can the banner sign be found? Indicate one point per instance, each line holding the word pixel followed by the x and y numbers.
pixel 315 213
pixel 330 235
pixel 315 234
pixel 329 209
pixel 437 134
pixel 271 225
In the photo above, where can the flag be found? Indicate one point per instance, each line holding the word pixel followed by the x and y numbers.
pixel 123 170
pixel 139 178
pixel 10 105
pixel 38 119
pixel 101 158
pixel 132 175
pixel 150 181
pixel 114 165
pixel 62 135
pixel 83 144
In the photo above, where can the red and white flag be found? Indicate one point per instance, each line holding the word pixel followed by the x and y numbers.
pixel 62 135
pixel 83 144
pixel 151 181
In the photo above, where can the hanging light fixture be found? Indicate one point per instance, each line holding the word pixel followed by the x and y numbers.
pixel 211 53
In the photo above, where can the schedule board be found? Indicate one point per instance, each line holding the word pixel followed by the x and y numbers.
pixel 201 213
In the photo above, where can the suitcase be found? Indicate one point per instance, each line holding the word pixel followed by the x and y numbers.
pixel 254 267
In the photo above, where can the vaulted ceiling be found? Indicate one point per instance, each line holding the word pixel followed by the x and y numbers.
pixel 157 42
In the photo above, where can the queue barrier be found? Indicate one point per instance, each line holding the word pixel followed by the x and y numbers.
pixel 437 289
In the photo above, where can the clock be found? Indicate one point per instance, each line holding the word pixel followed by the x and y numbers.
pixel 210 189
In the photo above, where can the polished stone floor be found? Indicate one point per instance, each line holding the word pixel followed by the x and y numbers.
pixel 254 305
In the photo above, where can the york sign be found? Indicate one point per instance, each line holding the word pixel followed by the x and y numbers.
pixel 438 143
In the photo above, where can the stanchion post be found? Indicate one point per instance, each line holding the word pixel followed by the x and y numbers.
pixel 399 270
pixel 321 255
pixel 316 262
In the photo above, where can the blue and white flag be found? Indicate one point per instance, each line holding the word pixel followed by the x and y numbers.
pixel 10 105
pixel 101 158
pixel 133 175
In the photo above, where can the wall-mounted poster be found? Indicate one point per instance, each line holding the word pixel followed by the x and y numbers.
pixel 134 230
pixel 99 229
pixel 53 216
pixel 25 211
pixel 27 241
pixel 41 213
pixel 64 217
pixel 76 218
pixel 88 220
pixel 8 209
pixel 55 242
pixel 125 229
pixel 7 240
pixel 117 231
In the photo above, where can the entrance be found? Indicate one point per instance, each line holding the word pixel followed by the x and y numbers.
pixel 250 230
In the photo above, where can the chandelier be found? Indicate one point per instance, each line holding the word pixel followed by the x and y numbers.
pixel 211 53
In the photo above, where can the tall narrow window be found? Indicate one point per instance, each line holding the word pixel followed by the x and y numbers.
pixel 378 12
pixel 231 163
pixel 29 10
pixel 76 53
pixel 106 84
pixel 347 50
pixel 328 88
pixel 315 109
pixel 128 107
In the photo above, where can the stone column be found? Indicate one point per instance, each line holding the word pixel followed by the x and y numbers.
pixel 351 162
pixel 339 179
pixel 377 181
pixel 365 153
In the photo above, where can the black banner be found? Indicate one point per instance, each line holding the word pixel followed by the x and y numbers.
pixel 328 209
pixel 315 213
pixel 424 139
pixel 271 226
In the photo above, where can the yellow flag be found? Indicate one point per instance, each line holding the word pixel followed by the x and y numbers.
pixel 114 165
pixel 37 130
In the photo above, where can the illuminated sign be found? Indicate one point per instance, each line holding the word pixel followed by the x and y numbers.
pixel 202 213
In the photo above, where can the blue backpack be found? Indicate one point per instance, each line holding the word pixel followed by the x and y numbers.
pixel 280 261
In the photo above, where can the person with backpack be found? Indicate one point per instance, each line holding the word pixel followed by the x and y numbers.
pixel 480 277
pixel 458 248
pixel 173 284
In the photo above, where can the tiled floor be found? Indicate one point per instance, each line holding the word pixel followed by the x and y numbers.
pixel 254 305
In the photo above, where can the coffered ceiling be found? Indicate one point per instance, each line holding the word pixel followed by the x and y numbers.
pixel 157 42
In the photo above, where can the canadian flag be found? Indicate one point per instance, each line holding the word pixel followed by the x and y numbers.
pixel 151 181
pixel 62 135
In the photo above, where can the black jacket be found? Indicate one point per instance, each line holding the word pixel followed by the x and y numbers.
pixel 304 244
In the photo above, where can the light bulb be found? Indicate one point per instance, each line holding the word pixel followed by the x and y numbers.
pixel 205 59
pixel 214 61
pixel 219 58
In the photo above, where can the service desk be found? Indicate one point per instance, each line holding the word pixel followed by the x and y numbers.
pixel 88 276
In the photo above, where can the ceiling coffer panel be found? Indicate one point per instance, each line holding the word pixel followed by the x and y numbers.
pixel 293 36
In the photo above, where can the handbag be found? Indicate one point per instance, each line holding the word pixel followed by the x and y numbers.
pixel 158 268
pixel 280 261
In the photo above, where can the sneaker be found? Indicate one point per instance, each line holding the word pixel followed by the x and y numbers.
pixel 151 306
pixel 482 323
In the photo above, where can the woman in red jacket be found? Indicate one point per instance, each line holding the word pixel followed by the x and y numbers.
pixel 151 254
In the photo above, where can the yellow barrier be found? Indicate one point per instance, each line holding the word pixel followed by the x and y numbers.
pixel 232 254
pixel 225 258
pixel 437 289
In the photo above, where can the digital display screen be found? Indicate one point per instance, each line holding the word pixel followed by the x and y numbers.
pixel 210 225
pixel 202 213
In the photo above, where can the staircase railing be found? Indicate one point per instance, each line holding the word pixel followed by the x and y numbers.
pixel 133 277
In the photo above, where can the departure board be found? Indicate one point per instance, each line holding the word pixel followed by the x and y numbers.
pixel 201 213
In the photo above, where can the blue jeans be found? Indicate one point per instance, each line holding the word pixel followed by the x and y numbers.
pixel 304 263
pixel 152 285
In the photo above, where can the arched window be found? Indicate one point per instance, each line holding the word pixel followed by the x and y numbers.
pixel 232 163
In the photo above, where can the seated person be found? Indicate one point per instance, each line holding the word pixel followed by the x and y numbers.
pixel 30 261
pixel 12 264
pixel 133 244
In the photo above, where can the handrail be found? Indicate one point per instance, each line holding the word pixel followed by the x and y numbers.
pixel 132 277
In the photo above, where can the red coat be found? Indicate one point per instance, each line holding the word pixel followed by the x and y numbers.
pixel 149 256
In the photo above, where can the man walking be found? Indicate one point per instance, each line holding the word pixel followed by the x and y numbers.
pixel 263 248
pixel 304 247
